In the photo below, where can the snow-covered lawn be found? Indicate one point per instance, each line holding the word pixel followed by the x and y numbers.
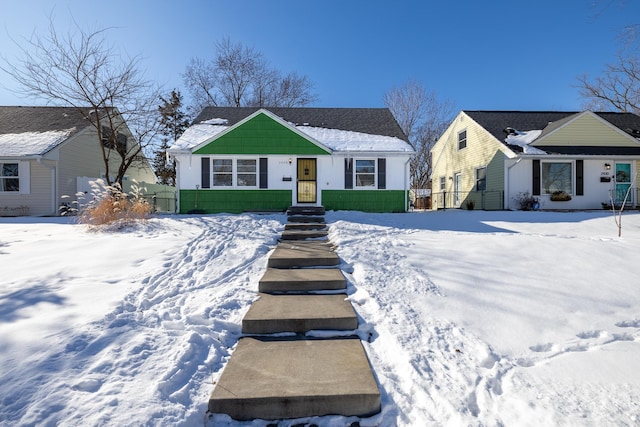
pixel 468 318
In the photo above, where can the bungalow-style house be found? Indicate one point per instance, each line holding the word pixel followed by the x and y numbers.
pixel 43 152
pixel 257 159
pixel 540 160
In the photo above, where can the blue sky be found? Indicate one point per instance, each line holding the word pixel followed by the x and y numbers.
pixel 493 55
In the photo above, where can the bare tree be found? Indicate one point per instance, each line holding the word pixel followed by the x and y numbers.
pixel 80 70
pixel 423 118
pixel 618 87
pixel 240 76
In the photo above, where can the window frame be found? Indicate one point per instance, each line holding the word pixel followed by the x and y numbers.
pixel 253 173
pixel 225 173
pixel 548 190
pixel 478 180
pixel 462 142
pixel 443 183
pixel 4 178
pixel 235 172
pixel 357 175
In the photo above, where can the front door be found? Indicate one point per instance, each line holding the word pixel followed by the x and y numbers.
pixel 306 189
pixel 623 182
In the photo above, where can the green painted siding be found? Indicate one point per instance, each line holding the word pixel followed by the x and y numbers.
pixel 235 201
pixel 261 135
pixel 364 200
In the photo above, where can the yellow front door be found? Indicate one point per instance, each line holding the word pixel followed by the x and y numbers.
pixel 306 181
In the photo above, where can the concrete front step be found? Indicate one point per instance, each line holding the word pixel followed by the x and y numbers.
pixel 305 210
pixel 278 379
pixel 303 234
pixel 272 314
pixel 305 226
pixel 302 280
pixel 302 254
pixel 305 219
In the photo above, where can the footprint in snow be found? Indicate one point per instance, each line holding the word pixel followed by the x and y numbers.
pixel 541 348
pixel 629 324
pixel 590 334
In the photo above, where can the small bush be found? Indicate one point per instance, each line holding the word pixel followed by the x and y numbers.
pixel 527 202
pixel 114 207
pixel 470 204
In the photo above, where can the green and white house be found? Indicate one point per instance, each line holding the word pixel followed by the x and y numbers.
pixel 256 159
pixel 562 160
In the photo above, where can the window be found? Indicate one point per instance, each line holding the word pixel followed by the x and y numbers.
pixel 365 173
pixel 462 140
pixel 481 179
pixel 246 172
pixel 222 172
pixel 556 176
pixel 119 142
pixel 233 173
pixel 9 177
pixel 443 183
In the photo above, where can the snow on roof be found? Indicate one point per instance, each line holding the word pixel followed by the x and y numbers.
pixel 523 139
pixel 31 143
pixel 197 134
pixel 335 139
pixel 344 140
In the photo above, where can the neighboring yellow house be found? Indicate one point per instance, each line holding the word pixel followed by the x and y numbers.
pixel 43 152
pixel 554 160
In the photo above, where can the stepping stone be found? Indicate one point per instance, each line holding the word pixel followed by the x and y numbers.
pixel 272 314
pixel 305 226
pixel 303 234
pixel 302 280
pixel 302 254
pixel 277 379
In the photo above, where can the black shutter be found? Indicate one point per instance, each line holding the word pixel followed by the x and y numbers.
pixel 579 177
pixel 382 174
pixel 348 173
pixel 264 176
pixel 536 178
pixel 206 173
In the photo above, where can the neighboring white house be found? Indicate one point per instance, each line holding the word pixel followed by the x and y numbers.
pixel 563 160
pixel 43 152
pixel 251 159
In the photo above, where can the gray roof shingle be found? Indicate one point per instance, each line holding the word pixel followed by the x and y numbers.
pixel 374 121
pixel 495 122
pixel 40 119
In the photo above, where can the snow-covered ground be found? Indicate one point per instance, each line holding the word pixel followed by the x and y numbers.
pixel 468 318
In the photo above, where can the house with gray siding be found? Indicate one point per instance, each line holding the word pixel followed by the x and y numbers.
pixel 43 153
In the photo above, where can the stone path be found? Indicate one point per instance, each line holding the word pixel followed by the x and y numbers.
pixel 275 377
